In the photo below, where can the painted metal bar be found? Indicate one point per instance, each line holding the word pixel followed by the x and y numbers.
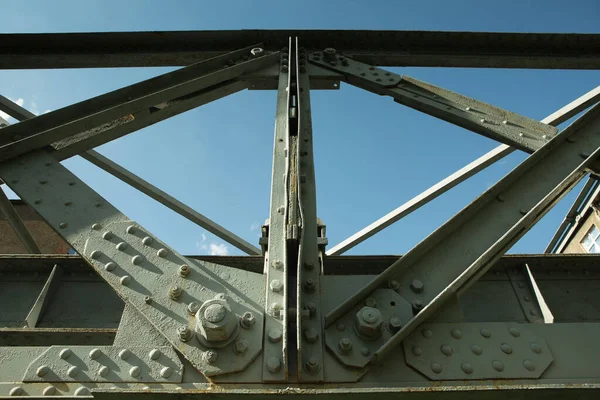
pixel 14 110
pixel 74 119
pixel 572 215
pixel 41 303
pixel 461 250
pixel 554 119
pixel 169 201
pixel 15 221
pixel 378 47
pixel 309 328
pixel 276 263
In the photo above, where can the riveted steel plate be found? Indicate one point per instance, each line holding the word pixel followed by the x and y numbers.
pixel 477 351
pixel 105 364
pixel 390 304
pixel 346 65
pixel 139 267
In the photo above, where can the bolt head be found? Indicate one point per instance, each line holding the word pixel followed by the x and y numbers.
pixel 210 356
pixel 313 365
pixel 276 285
pixel 344 345
pixel 275 335
pixel 166 372
pixel 371 302
pixel 247 320
pixel 193 308
pixel 274 365
pixel 215 321
pixel 184 333
pixel 175 292
pixel 368 322
pixel 184 270
pixel 311 335
pixel 240 346
pixel 395 324
pixel 417 286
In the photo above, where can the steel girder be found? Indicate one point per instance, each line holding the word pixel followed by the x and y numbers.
pixel 191 323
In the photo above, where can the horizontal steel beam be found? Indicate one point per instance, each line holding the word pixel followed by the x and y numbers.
pixel 390 48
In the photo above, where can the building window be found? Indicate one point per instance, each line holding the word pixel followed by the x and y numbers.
pixel 591 240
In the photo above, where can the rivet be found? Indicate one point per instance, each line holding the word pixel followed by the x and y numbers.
pixel 97 204
pixel 121 246
pixel 523 211
pixel 134 371
pixel 72 183
pixel 436 367
pixel 482 120
pixel 505 122
pixel 96 227
pixel 95 353
pixel 43 370
pixel 417 305
pixel 210 356
pixel 497 365
pixel 63 225
pixel 344 345
pixel 147 241
pixel 193 307
pixel 275 335
pixel 309 265
pixel 311 335
pixel 514 332
pixel 37 201
pixel 506 348
pixel 124 354
pixel 467 368
pixel 309 285
pixel 162 253
pixel 394 285
pixel 570 140
pixel 468 108
pixel 277 264
pixel 280 209
pixel 73 371
pixel 371 302
pixel 103 371
pixel 95 254
pixel 456 333
pixel 136 260
pixel 417 351
pixel 15 181
pixel 526 298
pixel 276 285
pixel 341 326
pixel 107 235
pixel 166 372
pixel 43 181
pixel 240 346
pixel 125 280
pixel 500 198
pixel 536 348
pixel 476 350
pixel 427 333
pixel 49 391
pixel 395 324
pixel 68 203
pixel 585 154
pixel 416 286
pixel 485 333
pixel 131 229
pixel 274 365
pixel 184 270
pixel 65 353
pixel 446 350
pixel 521 285
pixel 109 266
pixel 16 391
pixel 147 299
pixel 154 354
pixel 533 313
pixel 528 364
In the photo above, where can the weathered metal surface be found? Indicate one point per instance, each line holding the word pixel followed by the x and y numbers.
pixel 384 47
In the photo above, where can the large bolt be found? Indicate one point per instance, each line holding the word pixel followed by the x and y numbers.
pixel 247 320
pixel 215 320
pixel 368 322
pixel 184 333
pixel 329 54
pixel 345 345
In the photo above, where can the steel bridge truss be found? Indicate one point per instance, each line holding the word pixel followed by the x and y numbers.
pixel 131 316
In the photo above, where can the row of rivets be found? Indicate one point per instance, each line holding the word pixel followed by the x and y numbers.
pixel 468 368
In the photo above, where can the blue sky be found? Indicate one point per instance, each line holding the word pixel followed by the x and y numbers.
pixel 371 153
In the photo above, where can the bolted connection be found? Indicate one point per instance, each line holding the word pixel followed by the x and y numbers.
pixel 215 321
pixel 175 292
pixel 184 333
pixel 368 323
pixel 247 320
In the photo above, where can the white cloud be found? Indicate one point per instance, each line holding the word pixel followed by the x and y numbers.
pixel 46 112
pixel 254 226
pixel 203 237
pixel 218 249
pixel 34 108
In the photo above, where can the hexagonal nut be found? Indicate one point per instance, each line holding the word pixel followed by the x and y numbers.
pixel 215 321
pixel 368 322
